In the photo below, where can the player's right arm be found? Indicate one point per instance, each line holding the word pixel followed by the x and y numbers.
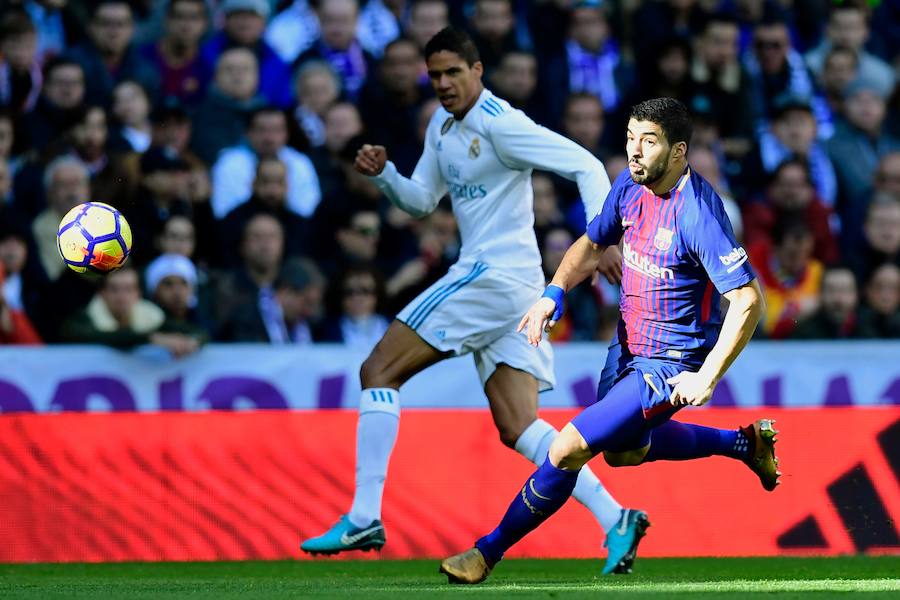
pixel 578 264
pixel 418 195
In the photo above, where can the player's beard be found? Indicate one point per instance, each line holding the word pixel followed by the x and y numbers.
pixel 652 173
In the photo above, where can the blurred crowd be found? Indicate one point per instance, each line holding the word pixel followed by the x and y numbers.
pixel 225 131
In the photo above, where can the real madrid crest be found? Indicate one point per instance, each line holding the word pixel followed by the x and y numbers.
pixel 474 148
pixel 663 239
pixel 447 125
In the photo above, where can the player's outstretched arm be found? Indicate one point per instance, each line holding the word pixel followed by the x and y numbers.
pixel 746 305
pixel 577 265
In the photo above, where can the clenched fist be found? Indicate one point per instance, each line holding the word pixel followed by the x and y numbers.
pixel 370 160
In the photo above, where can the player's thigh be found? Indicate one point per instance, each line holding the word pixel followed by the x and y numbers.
pixel 399 355
pixel 616 423
pixel 513 397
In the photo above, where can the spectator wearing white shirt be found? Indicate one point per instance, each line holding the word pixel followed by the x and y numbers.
pixel 233 172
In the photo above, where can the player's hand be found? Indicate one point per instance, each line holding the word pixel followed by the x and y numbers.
pixel 610 265
pixel 537 320
pixel 691 389
pixel 370 160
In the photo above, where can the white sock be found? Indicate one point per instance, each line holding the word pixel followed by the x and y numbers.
pixel 534 443
pixel 376 432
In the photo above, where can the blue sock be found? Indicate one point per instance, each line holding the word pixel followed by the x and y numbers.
pixel 542 495
pixel 683 441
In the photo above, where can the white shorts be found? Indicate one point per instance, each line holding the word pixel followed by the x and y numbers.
pixel 475 309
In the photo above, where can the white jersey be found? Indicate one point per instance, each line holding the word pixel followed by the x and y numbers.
pixel 484 162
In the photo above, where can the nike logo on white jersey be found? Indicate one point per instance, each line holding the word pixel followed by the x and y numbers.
pixel 348 540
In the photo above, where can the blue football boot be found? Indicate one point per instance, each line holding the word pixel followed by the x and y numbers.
pixel 623 539
pixel 344 536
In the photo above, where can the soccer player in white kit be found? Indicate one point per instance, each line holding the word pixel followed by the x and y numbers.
pixel 481 151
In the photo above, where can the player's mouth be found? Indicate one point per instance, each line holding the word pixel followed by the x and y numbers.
pixel 447 98
pixel 635 166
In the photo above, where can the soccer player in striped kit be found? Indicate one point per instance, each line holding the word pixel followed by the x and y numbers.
pixel 679 257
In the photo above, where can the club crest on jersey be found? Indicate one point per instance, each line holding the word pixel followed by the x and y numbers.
pixel 447 125
pixel 663 239
pixel 475 148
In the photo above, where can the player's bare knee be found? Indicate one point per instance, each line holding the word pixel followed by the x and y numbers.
pixel 510 432
pixel 375 372
pixel 569 450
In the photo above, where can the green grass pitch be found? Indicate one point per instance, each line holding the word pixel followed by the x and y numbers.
pixel 372 580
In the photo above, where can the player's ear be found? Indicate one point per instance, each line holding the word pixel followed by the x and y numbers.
pixel 478 68
pixel 680 150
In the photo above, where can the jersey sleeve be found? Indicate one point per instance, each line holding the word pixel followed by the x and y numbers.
pixel 418 195
pixel 521 143
pixel 605 229
pixel 711 241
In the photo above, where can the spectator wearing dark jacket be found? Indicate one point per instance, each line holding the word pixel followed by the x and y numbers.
pixel 838 314
pixel 881 311
pixel 108 55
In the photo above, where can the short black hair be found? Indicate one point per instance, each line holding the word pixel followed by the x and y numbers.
pixel 58 62
pixel 453 40
pixel 268 109
pixel 792 161
pixel 670 114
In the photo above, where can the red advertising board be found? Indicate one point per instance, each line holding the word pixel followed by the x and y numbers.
pixel 215 486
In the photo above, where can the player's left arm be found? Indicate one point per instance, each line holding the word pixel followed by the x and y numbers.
pixel 711 241
pixel 521 143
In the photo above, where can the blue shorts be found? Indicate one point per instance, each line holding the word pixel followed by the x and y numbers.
pixel 633 398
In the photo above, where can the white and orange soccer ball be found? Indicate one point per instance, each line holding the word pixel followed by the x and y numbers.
pixel 94 238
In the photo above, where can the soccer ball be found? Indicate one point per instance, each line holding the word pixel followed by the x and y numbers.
pixel 94 238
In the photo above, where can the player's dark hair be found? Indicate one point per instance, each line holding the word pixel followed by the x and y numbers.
pixel 454 40
pixel 671 115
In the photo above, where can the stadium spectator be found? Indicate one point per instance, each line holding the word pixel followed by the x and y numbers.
pixel 881 237
pixel 857 145
pixel 880 315
pixel 177 236
pixel 342 124
pixel 171 282
pixel 357 232
pixel 848 27
pixel 658 26
pixel 67 184
pixel 354 298
pixel 176 56
pixel 580 320
pixel 165 191
pixel 131 112
pixel 887 175
pixel 245 22
pixel 15 327
pixel 706 162
pixel 790 194
pixel 777 70
pixel 590 61
pixel 117 316
pixel 267 136
pixel 546 203
pixel 20 70
pixel 108 55
pixel 837 316
pixel 293 30
pixel 492 29
pixel 23 279
pixel 5 185
pixel 171 128
pixel 515 80
pixel 841 67
pixel 221 119
pixel 790 276
pixel 269 196
pixel 723 87
pixel 7 135
pixel 62 94
pixel 285 314
pixel 262 253
pixel 339 45
pixel 317 87
pixel 668 73
pixel 390 102
pixel 426 18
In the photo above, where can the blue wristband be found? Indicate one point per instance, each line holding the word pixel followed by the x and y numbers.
pixel 557 294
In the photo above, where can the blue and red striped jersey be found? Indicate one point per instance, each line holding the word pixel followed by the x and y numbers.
pixel 680 255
